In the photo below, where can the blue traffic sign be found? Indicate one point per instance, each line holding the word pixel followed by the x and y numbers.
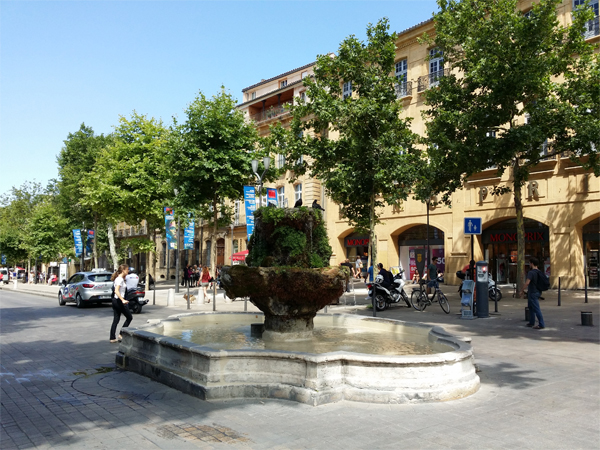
pixel 472 225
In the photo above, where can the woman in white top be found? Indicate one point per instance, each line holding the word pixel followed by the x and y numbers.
pixel 119 303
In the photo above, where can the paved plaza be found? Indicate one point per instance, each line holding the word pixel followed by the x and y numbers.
pixel 61 388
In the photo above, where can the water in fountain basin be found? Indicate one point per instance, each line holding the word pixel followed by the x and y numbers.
pixel 236 336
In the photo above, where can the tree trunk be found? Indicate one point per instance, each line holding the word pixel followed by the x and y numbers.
pixel 95 248
pixel 112 247
pixel 372 237
pixel 517 190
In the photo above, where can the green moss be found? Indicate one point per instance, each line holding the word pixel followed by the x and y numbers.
pixel 294 237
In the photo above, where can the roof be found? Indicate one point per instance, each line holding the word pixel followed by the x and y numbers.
pixel 270 93
pixel 415 26
pixel 279 76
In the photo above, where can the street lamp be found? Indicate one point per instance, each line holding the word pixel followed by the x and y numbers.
pixel 175 191
pixel 266 163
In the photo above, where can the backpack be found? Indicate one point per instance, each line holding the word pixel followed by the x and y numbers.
pixel 542 282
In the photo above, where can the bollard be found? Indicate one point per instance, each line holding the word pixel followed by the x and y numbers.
pixel 585 279
pixel 245 304
pixel 188 295
pixel 257 329
pixel 154 295
pixel 558 291
pixel 171 297
pixel 15 281
pixel 527 313
pixel 587 320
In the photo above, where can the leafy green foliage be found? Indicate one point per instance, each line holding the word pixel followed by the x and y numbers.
pixel 372 162
pixel 289 238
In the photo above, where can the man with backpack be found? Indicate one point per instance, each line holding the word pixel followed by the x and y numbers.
pixel 536 282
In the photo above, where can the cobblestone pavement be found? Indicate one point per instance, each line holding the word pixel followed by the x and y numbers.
pixel 60 387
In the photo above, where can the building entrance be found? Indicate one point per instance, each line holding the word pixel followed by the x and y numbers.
pixel 500 246
pixel 414 238
pixel 357 246
pixel 591 247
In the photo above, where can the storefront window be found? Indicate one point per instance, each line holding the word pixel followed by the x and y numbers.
pixel 500 246
pixel 591 247
pixel 415 238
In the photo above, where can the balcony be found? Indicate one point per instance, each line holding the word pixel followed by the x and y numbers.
pixel 431 80
pixel 404 89
pixel 271 113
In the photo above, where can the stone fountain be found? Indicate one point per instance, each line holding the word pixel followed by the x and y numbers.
pixel 289 280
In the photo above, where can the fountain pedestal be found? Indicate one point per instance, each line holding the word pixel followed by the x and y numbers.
pixel 289 297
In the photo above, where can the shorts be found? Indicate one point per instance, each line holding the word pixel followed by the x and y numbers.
pixel 433 284
pixel 204 284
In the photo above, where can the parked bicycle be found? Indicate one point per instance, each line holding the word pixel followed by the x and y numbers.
pixel 420 300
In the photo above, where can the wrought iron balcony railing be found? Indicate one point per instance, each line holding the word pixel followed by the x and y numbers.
pixel 404 89
pixel 431 80
pixel 271 113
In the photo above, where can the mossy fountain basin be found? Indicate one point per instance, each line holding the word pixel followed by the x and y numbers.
pixel 436 366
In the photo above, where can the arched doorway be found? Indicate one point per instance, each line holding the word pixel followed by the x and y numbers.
pixel 500 248
pixel 416 238
pixel 220 252
pixel 591 247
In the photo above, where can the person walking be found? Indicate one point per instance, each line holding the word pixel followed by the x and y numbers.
pixel 370 273
pixel 432 275
pixel 533 295
pixel 204 283
pixel 119 304
pixel 186 275
pixel 358 266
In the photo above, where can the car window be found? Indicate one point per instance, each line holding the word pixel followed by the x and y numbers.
pixel 72 279
pixel 100 278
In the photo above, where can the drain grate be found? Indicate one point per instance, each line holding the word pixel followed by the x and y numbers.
pixel 205 433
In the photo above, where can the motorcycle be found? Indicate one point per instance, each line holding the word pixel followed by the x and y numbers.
pixel 135 293
pixel 384 297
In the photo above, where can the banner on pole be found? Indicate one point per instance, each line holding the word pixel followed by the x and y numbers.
pixel 272 197
pixel 250 202
pixel 188 235
pixel 78 242
pixel 170 229
pixel 91 235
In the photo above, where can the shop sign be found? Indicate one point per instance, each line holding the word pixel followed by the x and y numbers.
pixel 357 241
pixel 512 237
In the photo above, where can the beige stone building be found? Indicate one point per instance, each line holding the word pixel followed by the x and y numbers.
pixel 561 200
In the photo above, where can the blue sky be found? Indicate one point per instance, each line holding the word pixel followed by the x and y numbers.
pixel 64 63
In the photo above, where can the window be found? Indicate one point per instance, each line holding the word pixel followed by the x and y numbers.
pixel 347 89
pixel 253 95
pixel 529 14
pixel 300 160
pixel 303 96
pixel 304 74
pixel 280 161
pixel 281 196
pixel 436 66
pixel 592 27
pixel 298 192
pixel 236 213
pixel 402 76
pixel 163 254
pixel 283 83
pixel 235 246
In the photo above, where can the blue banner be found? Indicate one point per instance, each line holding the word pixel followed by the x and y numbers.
pixel 188 236
pixel 78 242
pixel 272 197
pixel 3 259
pixel 90 242
pixel 170 229
pixel 250 202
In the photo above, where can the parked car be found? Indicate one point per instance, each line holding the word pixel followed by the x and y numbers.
pixel 85 288
pixel 4 273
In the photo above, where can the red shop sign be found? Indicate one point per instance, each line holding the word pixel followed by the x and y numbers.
pixel 512 237
pixel 357 242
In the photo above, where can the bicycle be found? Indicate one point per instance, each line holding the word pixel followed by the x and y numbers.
pixel 420 300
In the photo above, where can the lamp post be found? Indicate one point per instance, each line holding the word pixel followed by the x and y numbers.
pixel 175 191
pixel 266 163
pixel 232 226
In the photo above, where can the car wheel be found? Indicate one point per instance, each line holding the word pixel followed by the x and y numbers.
pixel 61 302
pixel 79 301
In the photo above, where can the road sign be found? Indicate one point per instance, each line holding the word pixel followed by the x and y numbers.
pixel 472 225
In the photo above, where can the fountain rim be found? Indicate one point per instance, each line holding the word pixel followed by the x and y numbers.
pixel 460 347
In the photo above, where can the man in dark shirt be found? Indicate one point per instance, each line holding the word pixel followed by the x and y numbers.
pixel 387 276
pixel 533 296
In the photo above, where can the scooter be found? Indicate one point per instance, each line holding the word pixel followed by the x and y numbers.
pixel 135 293
pixel 494 292
pixel 384 297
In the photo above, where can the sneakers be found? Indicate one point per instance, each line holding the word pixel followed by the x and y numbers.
pixel 114 341
pixel 537 327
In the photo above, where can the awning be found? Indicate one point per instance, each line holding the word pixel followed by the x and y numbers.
pixel 239 256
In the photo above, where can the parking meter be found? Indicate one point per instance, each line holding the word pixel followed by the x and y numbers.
pixel 481 289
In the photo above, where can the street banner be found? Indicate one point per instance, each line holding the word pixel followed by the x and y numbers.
pixel 78 242
pixel 170 229
pixel 91 235
pixel 188 235
pixel 3 259
pixel 250 202
pixel 272 197
pixel 420 256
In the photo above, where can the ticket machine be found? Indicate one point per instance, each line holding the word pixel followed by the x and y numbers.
pixel 481 289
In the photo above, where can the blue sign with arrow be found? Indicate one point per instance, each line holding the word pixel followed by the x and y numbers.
pixel 472 225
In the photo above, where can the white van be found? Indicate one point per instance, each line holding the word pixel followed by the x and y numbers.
pixel 4 272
